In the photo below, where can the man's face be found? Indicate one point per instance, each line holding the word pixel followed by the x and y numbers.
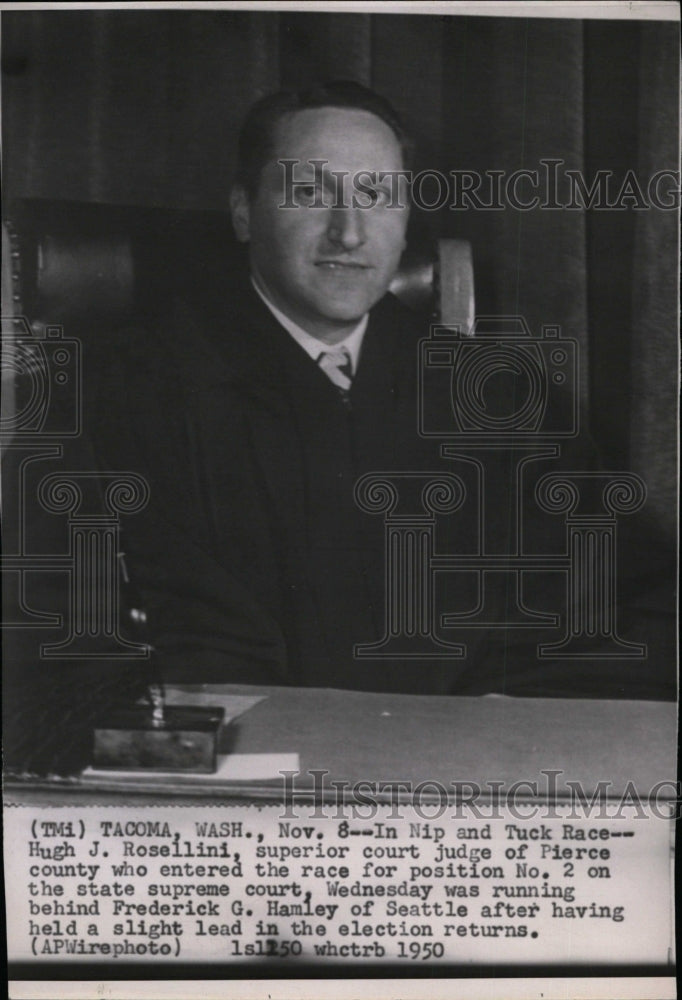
pixel 324 267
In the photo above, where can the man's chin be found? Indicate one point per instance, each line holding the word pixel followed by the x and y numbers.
pixel 348 309
pixel 332 326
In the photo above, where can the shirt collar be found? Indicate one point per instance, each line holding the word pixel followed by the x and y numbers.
pixel 311 345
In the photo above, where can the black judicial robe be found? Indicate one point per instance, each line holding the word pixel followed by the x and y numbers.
pixel 253 560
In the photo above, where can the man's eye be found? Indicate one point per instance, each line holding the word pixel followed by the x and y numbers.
pixel 308 193
pixel 378 197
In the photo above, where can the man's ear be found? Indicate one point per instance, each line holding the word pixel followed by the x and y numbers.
pixel 241 214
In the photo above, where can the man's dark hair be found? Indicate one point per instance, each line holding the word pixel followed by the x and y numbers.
pixel 257 137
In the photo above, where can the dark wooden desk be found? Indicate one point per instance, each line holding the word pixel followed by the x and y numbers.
pixel 356 736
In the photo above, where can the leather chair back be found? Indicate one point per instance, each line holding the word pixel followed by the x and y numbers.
pixel 87 265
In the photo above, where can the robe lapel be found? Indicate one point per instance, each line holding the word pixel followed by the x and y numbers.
pixel 291 416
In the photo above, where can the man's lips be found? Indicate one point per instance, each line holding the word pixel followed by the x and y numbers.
pixel 351 265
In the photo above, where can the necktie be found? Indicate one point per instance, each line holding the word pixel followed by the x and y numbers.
pixel 336 365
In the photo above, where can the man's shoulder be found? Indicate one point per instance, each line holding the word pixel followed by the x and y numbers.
pixel 394 332
pixel 391 316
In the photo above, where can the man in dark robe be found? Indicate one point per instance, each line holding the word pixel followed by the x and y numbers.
pixel 256 402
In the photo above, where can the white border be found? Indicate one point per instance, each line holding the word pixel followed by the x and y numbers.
pixel 645 988
pixel 643 10
pixel 592 988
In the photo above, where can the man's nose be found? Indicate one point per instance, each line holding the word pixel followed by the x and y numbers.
pixel 346 228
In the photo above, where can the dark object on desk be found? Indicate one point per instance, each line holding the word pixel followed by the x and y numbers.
pixel 184 740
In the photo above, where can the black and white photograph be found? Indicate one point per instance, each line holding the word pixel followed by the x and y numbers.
pixel 340 381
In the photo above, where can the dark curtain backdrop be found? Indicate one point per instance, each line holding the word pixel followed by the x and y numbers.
pixel 141 107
